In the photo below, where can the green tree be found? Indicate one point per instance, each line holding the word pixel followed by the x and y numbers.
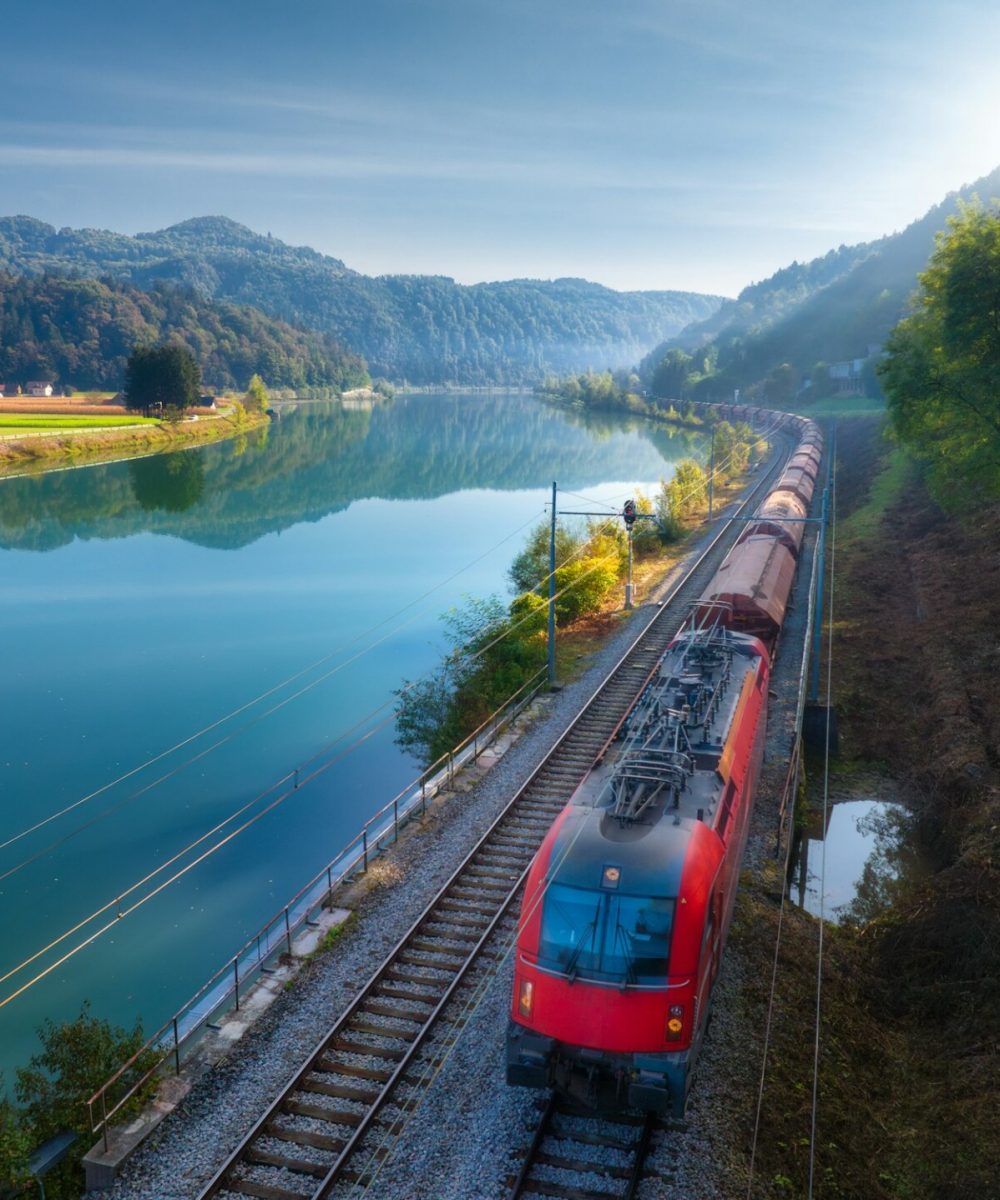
pixel 645 535
pixel 680 497
pixel 692 486
pixel 942 371
pixel 530 569
pixel 781 384
pixel 257 398
pixel 732 448
pixel 76 1058
pixel 584 584
pixel 671 374
pixel 164 377
pixel 493 654
pixel 15 1145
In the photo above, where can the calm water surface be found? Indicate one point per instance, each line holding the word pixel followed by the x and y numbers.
pixel 867 850
pixel 146 602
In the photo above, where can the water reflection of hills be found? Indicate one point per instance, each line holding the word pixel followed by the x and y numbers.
pixel 319 459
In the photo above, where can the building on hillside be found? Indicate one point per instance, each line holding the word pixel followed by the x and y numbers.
pixel 39 387
pixel 3 390
pixel 846 376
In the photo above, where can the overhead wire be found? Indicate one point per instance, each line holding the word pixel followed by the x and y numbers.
pixel 478 991
pixel 379 1156
pixel 74 929
pixel 826 804
pixel 589 500
pixel 122 913
pixel 116 900
pixel 774 966
pixel 265 694
pixel 473 1002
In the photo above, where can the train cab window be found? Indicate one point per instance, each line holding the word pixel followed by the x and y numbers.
pixel 605 936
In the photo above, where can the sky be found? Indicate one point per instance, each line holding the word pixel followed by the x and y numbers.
pixel 693 144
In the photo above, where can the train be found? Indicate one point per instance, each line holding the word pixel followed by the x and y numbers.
pixel 629 900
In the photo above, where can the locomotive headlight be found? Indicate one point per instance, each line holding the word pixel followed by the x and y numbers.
pixel 675 1022
pixel 525 997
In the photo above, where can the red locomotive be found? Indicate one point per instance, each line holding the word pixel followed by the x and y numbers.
pixel 629 899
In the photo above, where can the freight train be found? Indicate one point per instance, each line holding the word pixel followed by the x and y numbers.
pixel 629 900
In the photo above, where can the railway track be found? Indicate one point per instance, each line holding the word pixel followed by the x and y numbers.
pixel 577 1156
pixel 368 1069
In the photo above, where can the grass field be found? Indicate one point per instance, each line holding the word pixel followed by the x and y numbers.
pixel 840 406
pixel 20 422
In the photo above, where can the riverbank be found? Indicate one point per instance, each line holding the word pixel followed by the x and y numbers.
pixel 38 452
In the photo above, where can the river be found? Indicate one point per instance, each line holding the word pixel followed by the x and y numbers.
pixel 179 631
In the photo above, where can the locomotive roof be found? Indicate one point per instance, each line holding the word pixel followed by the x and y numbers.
pixel 649 854
pixel 649 846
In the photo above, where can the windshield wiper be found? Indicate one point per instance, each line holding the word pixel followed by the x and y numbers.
pixel 626 939
pixel 578 949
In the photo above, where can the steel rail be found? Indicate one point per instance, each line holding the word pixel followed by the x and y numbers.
pixel 523 807
pixel 629 1177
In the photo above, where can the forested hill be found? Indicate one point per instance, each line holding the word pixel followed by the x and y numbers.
pixel 838 307
pixel 420 328
pixel 81 332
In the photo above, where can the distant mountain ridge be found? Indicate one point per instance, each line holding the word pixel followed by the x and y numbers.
pixel 837 308
pixel 419 328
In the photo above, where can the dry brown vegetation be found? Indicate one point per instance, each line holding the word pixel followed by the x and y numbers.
pixel 911 1029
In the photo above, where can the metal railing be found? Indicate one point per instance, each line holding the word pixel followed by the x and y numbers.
pixel 177 1036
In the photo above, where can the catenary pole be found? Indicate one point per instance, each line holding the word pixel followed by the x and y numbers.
pixel 552 591
pixel 711 474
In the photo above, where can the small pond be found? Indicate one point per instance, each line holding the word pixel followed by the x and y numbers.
pixel 867 852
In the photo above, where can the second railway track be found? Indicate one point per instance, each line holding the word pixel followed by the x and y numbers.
pixel 342 1109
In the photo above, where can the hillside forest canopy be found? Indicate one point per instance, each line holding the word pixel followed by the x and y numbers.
pixel 942 370
pixel 812 330
pixel 80 332
pixel 421 329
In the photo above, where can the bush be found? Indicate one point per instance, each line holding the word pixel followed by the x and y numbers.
pixel 530 614
pixel 683 496
pixel 76 1058
pixel 492 657
pixel 583 585
pixel 529 572
pixel 645 534
pixel 15 1146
